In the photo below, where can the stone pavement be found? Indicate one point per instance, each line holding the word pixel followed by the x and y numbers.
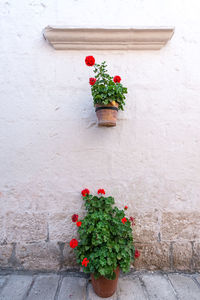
pixel 77 286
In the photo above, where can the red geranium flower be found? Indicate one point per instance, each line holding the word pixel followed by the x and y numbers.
pixel 90 61
pixel 124 220
pixel 137 253
pixel 132 220
pixel 73 243
pixel 125 207
pixel 85 262
pixel 101 191
pixel 74 218
pixel 92 81
pixel 85 192
pixel 78 223
pixel 117 79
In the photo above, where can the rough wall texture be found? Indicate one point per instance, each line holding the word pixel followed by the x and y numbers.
pixel 51 147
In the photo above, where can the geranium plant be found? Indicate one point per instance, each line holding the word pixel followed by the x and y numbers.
pixel 105 237
pixel 105 88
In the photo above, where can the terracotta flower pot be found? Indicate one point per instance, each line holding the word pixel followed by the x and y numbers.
pixel 107 114
pixel 104 287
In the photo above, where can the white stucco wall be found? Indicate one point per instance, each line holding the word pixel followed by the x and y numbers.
pixel 51 147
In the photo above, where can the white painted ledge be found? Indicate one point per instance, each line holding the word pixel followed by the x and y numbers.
pixel 62 38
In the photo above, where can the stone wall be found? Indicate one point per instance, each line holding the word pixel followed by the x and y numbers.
pixel 51 147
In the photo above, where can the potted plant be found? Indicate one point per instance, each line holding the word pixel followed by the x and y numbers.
pixel 105 244
pixel 107 92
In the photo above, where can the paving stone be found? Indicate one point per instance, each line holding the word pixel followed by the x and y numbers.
pixel 185 287
pixel 16 287
pixel 198 278
pixel 3 280
pixel 158 287
pixel 44 287
pixel 130 289
pixel 72 288
pixel 93 296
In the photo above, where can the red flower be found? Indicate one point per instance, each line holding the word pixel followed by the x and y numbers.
pixel 73 243
pixel 85 192
pixel 92 81
pixel 132 220
pixel 85 262
pixel 101 191
pixel 125 207
pixel 117 79
pixel 137 253
pixel 90 61
pixel 124 220
pixel 74 218
pixel 78 223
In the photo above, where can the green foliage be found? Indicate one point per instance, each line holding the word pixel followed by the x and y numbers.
pixel 105 90
pixel 104 239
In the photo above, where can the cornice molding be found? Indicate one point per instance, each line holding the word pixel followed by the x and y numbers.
pixel 66 38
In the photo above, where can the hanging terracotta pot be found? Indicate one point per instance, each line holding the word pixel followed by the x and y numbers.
pixel 107 114
pixel 105 287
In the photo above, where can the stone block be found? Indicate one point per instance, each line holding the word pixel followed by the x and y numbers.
pixel 5 254
pixel 44 287
pixel 16 287
pixel 196 257
pixel 185 286
pixel 146 228
pixel 153 256
pixel 69 257
pixel 73 288
pixel 38 195
pixel 180 226
pixel 158 287
pixel 2 232
pixel 3 280
pixel 38 256
pixel 26 227
pixel 61 227
pixel 130 289
pixel 182 256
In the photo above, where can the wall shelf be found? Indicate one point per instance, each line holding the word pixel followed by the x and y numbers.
pixel 66 38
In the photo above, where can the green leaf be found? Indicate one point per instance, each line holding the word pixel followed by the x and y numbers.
pixel 103 239
pixel 105 90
